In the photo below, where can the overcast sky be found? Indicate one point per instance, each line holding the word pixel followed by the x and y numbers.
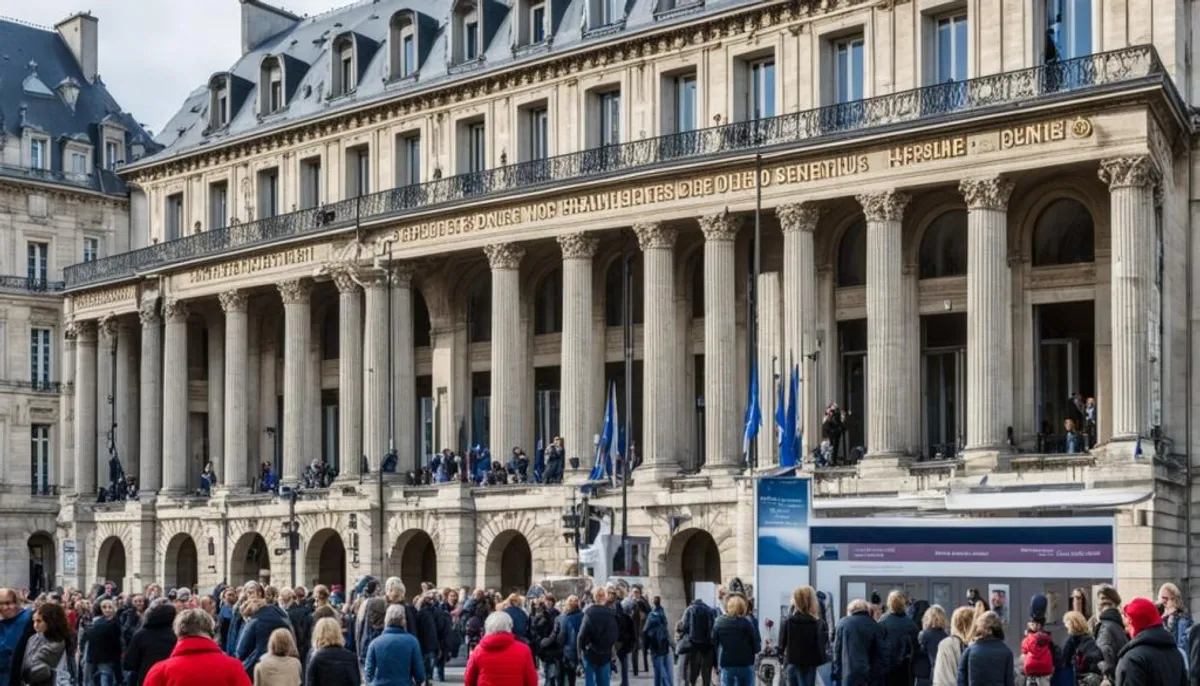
pixel 154 52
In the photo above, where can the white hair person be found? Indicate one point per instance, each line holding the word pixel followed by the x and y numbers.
pixel 498 623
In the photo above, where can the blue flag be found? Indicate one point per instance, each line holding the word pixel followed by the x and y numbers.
pixel 602 465
pixel 753 419
pixel 789 449
pixel 780 412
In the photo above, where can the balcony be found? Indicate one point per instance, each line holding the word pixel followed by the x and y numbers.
pixel 47 387
pixel 1094 74
pixel 27 285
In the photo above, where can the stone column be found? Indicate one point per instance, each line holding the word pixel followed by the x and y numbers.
pixel 297 315
pixel 175 397
pixel 127 398
pixel 723 427
pixel 105 409
pixel 66 409
pixel 507 415
pixel 235 473
pixel 659 440
pixel 375 371
pixel 85 410
pixel 151 397
pixel 350 373
pixel 887 342
pixel 404 367
pixel 770 338
pixel 799 223
pixel 216 394
pixel 578 353
pixel 1131 183
pixel 989 314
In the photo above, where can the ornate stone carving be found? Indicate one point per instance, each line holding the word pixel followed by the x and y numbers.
pixel 655 235
pixel 578 246
pixel 174 310
pixel 295 291
pixel 991 193
pixel 402 274
pixel 148 312
pixel 372 277
pixel 504 255
pixel 233 301
pixel 1128 172
pixel 108 327
pixel 884 206
pixel 798 216
pixel 85 330
pixel 70 331
pixel 721 226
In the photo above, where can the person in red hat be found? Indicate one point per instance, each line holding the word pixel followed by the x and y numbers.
pixel 1151 658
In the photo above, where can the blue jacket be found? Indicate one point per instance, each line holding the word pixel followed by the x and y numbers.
pixel 14 633
pixel 252 642
pixel 566 632
pixel 860 651
pixel 986 662
pixel 235 630
pixel 520 623
pixel 394 659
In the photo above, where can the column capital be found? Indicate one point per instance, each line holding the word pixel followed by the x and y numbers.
pixel 988 193
pixel 344 277
pixel 403 273
pixel 720 226
pixel 148 313
pixel 371 278
pixel 578 246
pixel 295 291
pixel 175 310
pixel 108 327
pixel 884 206
pixel 655 235
pixel 1128 172
pixel 798 216
pixel 233 301
pixel 83 330
pixel 504 255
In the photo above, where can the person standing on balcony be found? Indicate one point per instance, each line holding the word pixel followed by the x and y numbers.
pixel 555 458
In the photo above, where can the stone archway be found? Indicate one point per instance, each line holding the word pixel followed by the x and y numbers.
pixel 509 566
pixel 693 556
pixel 110 562
pixel 41 562
pixel 250 560
pixel 414 559
pixel 325 559
pixel 181 563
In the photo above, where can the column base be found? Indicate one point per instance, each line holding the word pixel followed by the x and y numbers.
pixel 1125 449
pixel 983 460
pixel 721 469
pixel 884 466
pixel 652 475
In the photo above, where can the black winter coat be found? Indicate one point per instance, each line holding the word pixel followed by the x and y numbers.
pixel 150 644
pixel 130 622
pixel 1081 652
pixel 1151 659
pixel 901 635
pixel 803 640
pixel 1111 638
pixel 302 623
pixel 332 666
pixel 598 634
pixel 986 662
pixel 926 656
pixel 860 650
pixel 102 642
pixel 736 641
pixel 426 633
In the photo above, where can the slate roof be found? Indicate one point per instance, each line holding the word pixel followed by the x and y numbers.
pixel 29 97
pixel 308 43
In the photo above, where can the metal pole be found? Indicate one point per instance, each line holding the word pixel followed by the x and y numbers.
pixel 626 458
pixel 752 319
pixel 293 534
pixel 391 409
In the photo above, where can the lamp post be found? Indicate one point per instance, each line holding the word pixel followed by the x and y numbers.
pixel 292 531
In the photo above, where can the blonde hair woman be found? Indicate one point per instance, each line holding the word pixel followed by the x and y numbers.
pixel 933 632
pixel 736 641
pixel 949 652
pixel 330 662
pixel 281 665
pixel 987 661
pixel 1176 619
pixel 1081 651
pixel 802 637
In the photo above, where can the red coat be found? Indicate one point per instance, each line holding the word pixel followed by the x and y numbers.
pixel 197 662
pixel 500 660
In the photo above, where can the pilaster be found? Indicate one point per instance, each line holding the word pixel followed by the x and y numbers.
pixel 799 223
pixel 297 313
pixel 659 440
pixel 507 382
pixel 350 373
pixel 405 367
pixel 375 367
pixel 236 472
pixel 721 401
pixel 175 398
pixel 126 396
pixel 578 352
pixel 85 409
pixel 150 389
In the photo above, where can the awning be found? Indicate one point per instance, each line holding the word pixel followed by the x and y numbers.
pixel 879 503
pixel 1050 499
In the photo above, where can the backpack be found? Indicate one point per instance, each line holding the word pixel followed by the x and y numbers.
pixel 626 633
pixel 656 639
pixel 700 628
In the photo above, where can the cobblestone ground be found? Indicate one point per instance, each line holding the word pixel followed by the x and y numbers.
pixel 454 675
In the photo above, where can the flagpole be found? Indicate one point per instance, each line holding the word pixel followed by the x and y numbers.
pixel 626 458
pixel 752 319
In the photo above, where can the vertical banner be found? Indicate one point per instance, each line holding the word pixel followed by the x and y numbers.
pixel 781 514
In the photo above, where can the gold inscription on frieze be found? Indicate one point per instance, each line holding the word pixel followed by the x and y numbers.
pixel 929 151
pixel 108 296
pixel 1033 134
pixel 251 265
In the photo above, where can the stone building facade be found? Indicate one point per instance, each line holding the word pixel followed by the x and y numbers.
pixel 402 224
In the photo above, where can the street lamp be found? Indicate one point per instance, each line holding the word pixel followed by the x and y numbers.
pixel 291 528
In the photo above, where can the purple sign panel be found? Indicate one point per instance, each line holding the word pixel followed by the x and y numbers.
pixel 933 552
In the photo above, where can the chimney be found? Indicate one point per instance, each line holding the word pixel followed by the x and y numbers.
pixel 260 21
pixel 81 35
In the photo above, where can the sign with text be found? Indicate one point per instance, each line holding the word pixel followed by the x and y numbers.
pixel 782 519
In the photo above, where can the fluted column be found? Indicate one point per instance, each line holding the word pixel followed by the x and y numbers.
pixel 723 427
pixel 175 397
pixel 216 393
pixel 507 404
pixel 150 472
pixel 404 366
pixel 578 351
pixel 887 344
pixel 297 316
pixel 659 440
pixel 66 407
pixel 770 343
pixel 989 313
pixel 235 473
pixel 350 373
pixel 1131 183
pixel 105 409
pixel 85 409
pixel 799 223
pixel 375 370
pixel 126 395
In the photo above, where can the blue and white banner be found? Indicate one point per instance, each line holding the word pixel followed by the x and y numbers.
pixel 782 515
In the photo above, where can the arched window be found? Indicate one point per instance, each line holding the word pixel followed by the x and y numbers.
pixel 852 256
pixel 479 310
pixel 330 335
pixel 944 246
pixel 422 334
pixel 548 304
pixel 1064 234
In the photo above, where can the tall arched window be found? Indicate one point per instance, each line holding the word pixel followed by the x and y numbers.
pixel 852 256
pixel 944 246
pixel 1064 234
pixel 479 310
pixel 548 304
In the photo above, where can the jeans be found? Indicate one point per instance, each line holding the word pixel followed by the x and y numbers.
pixel 623 661
pixel 429 660
pixel 801 676
pixel 700 665
pixel 597 675
pixel 105 676
pixel 737 676
pixel 662 670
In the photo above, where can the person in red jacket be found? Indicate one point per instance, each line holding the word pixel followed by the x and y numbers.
pixel 500 659
pixel 196 659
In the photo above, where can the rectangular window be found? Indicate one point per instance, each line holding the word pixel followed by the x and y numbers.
pixel 38 254
pixel 310 183
pixel 950 49
pixel 39 357
pixel 276 95
pixel 685 103
pixel 539 133
pixel 37 154
pixel 472 40
pixel 39 451
pixel 218 205
pixel 91 248
pixel 610 118
pixel 408 160
pixel 409 55
pixel 358 167
pixel 79 163
pixel 110 155
pixel 174 216
pixel 268 193
pixel 609 11
pixel 761 94
pixel 223 110
pixel 347 71
pixel 477 147
pixel 848 69
pixel 1068 29
pixel 537 23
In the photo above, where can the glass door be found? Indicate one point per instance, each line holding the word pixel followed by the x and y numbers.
pixel 854 401
pixel 943 391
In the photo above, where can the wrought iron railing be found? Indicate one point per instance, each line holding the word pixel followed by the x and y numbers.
pixel 27 284
pixel 940 451
pixel 1085 74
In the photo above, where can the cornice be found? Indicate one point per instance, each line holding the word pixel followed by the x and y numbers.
pixel 65 192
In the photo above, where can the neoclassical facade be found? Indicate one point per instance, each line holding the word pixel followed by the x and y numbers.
pixel 412 230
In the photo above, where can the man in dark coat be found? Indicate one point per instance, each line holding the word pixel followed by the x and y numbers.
pixel 16 627
pixel 150 644
pixel 1151 658
pixel 697 623
pixel 900 632
pixel 427 633
pixel 300 615
pixel 860 656
pixel 597 636
pixel 252 641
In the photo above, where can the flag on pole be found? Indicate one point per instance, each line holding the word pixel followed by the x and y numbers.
pixel 601 464
pixel 753 419
pixel 790 445
pixel 780 412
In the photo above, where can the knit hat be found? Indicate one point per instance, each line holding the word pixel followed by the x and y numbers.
pixel 1142 615
pixel 1037 608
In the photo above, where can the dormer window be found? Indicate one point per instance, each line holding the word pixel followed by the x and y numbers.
pixel 606 12
pixel 403 42
pixel 227 94
pixel 271 85
pixel 344 80
pixel 532 26
pixel 466 31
